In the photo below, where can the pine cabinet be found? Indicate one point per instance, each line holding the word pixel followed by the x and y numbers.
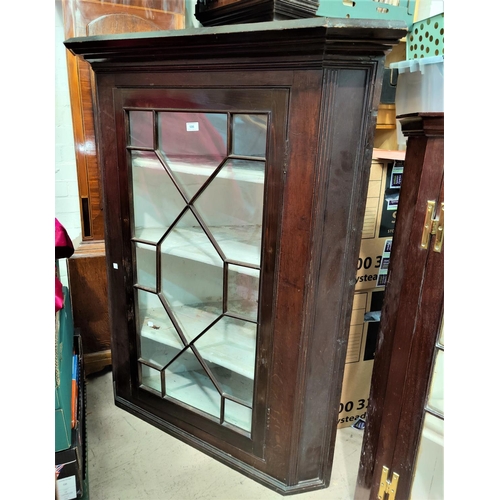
pixel 235 164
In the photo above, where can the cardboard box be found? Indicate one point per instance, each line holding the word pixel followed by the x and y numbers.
pixel 365 322
pixel 382 198
pixel 380 217
pixel 371 222
pixel 386 175
pixel 373 263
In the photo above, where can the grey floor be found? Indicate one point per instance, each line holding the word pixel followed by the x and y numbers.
pixel 129 459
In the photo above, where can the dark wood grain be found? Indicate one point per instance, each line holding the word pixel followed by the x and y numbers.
pixel 225 12
pixel 410 316
pixel 89 297
pixel 319 82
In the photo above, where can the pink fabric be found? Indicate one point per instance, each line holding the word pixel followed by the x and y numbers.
pixel 64 246
pixel 59 295
pixel 64 250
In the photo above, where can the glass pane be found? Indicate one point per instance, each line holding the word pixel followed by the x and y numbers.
pixel 156 200
pixel 238 415
pixel 428 481
pixel 141 129
pixel 436 392
pixel 159 342
pixel 191 276
pixel 232 205
pixel 229 347
pixel 192 284
pixel 193 145
pixel 187 381
pixel 249 135
pixel 243 291
pixel 150 378
pixel 145 256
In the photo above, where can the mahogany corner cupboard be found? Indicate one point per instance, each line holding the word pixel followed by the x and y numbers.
pixel 235 164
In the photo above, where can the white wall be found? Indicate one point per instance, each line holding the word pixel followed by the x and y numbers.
pixel 67 205
pixel 66 188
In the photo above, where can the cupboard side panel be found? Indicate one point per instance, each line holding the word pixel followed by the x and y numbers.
pixel 342 183
pixel 294 256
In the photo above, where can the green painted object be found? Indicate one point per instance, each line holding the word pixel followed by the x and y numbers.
pixel 426 38
pixel 63 388
pixel 368 9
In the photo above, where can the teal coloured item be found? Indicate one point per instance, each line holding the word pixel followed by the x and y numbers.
pixel 63 381
pixel 426 38
pixel 368 9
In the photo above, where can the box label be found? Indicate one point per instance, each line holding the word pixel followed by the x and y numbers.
pixel 66 488
pixel 393 182
pixel 354 400
pixel 373 262
pixel 192 126
pixel 384 264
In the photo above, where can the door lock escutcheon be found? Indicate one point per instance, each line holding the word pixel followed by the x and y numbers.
pixel 433 225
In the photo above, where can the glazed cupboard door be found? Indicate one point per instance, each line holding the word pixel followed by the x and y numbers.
pixel 234 195
pixel 403 449
pixel 198 184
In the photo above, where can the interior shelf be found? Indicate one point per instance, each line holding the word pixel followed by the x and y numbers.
pixel 195 389
pixel 252 172
pixel 239 243
pixel 229 343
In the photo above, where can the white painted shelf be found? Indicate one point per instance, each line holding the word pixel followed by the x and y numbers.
pixel 241 243
pixel 229 344
pixel 250 173
pixel 194 388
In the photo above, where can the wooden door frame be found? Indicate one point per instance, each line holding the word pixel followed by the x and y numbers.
pixel 410 319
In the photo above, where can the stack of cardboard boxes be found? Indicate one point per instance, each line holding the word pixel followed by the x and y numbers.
pixel 373 262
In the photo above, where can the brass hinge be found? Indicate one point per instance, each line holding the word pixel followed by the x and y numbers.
pixel 386 486
pixel 433 225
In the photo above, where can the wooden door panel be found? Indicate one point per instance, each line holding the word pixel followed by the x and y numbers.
pixel 419 370
pixel 410 317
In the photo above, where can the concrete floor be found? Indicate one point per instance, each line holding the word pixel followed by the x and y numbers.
pixel 129 459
